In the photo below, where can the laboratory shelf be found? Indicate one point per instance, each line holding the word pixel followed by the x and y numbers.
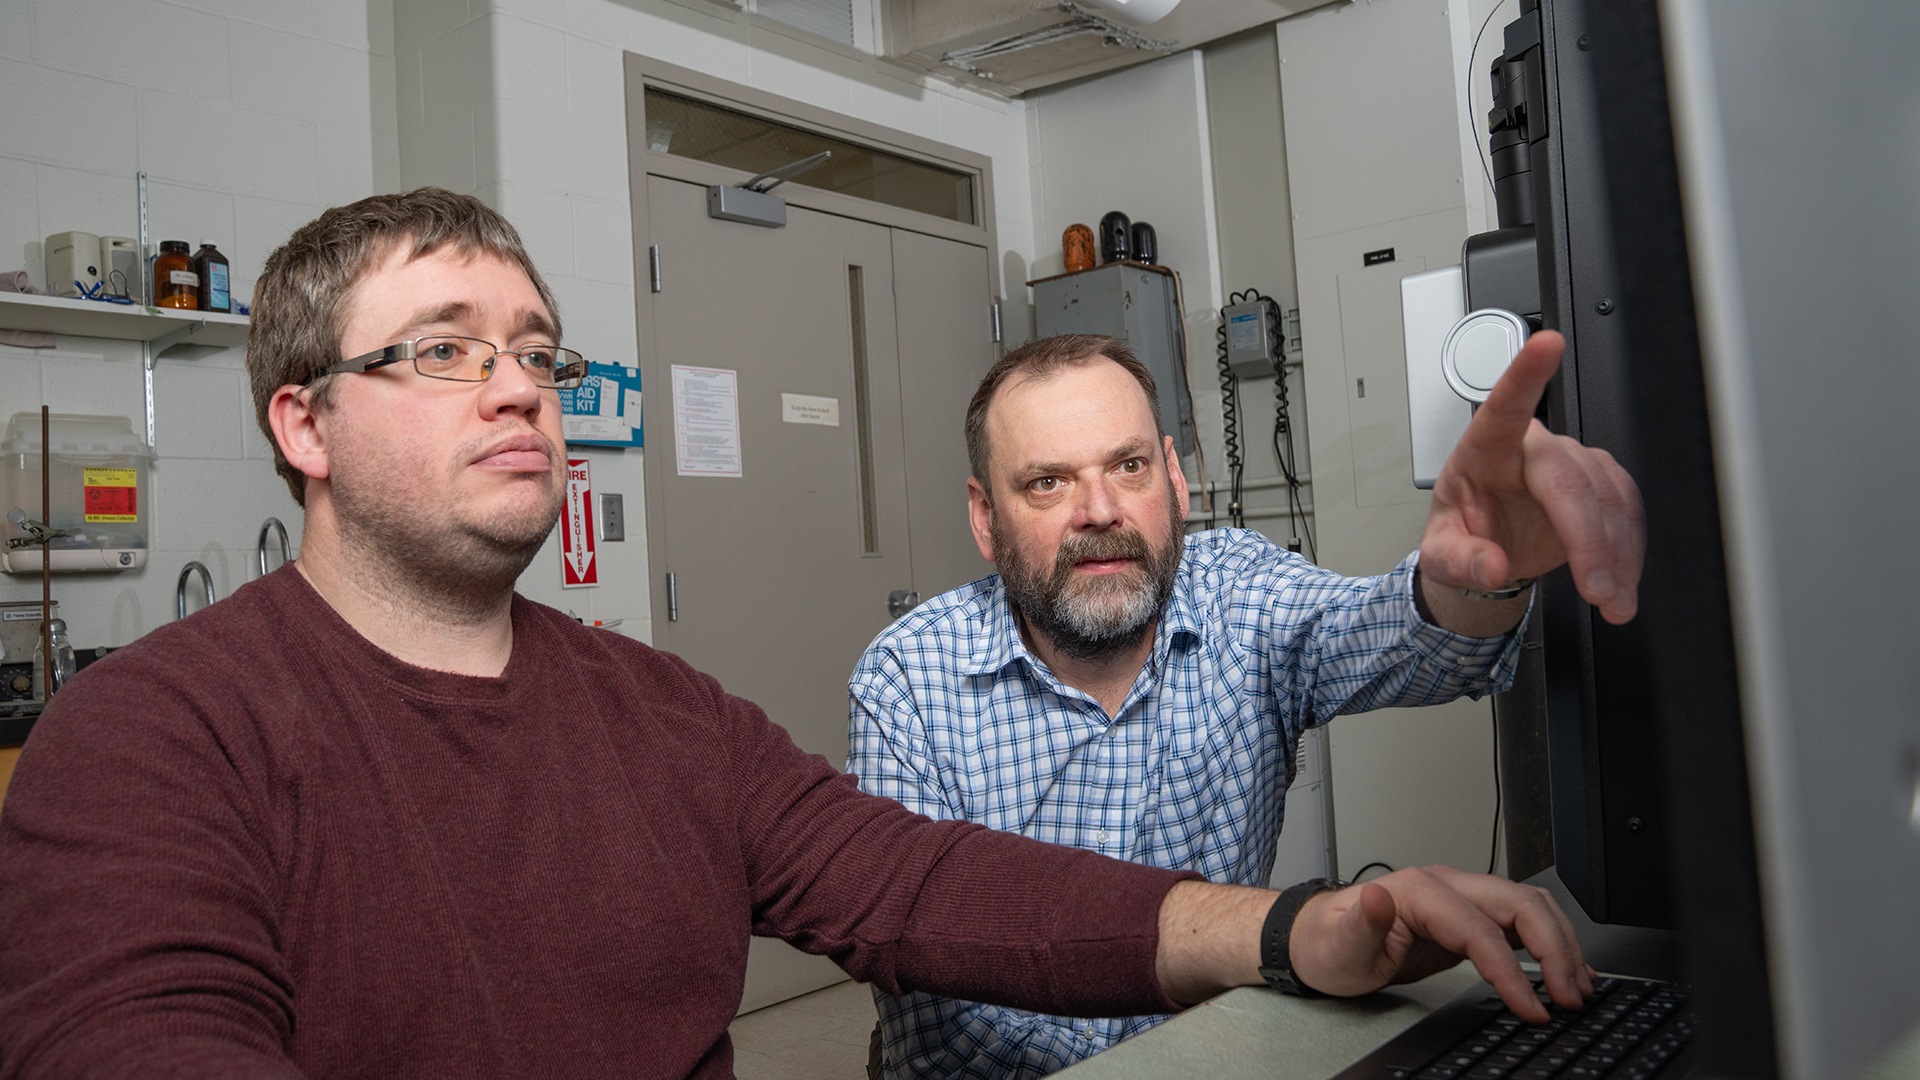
pixel 157 329
pixel 121 322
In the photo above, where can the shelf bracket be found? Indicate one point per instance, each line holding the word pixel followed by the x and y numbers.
pixel 150 355
pixel 147 355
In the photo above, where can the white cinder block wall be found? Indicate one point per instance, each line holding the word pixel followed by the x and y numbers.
pixel 248 118
pixel 251 117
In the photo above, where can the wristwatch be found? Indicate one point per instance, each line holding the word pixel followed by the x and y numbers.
pixel 1512 589
pixel 1276 963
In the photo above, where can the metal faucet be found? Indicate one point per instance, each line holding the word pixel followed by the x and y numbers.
pixel 272 524
pixel 180 591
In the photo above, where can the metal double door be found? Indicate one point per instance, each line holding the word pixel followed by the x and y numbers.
pixel 853 349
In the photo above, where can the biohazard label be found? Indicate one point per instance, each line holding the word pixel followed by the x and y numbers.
pixel 111 494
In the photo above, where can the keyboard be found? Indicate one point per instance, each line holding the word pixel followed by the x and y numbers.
pixel 1632 1029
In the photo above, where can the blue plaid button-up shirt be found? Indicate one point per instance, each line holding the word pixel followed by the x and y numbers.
pixel 954 717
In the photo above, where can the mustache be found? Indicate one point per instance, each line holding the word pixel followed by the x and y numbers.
pixel 1077 548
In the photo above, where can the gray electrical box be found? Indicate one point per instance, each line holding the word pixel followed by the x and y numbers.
pixel 1140 306
pixel 1250 344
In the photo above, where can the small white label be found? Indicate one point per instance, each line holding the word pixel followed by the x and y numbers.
pixel 184 277
pixel 807 409
pixel 1243 332
pixel 20 616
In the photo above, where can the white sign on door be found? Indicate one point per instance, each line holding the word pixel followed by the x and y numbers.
pixel 808 409
pixel 706 421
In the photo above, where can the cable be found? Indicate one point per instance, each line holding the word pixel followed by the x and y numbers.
pixel 1230 424
pixel 1479 150
pixel 1285 454
pixel 1493 856
pixel 1360 873
pixel 1287 459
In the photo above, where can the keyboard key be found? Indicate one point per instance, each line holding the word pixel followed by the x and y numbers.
pixel 1628 1030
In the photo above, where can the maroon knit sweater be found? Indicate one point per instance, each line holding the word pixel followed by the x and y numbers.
pixel 253 844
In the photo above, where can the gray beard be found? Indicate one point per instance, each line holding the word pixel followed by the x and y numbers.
pixel 1099 618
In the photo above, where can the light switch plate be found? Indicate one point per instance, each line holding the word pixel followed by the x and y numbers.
pixel 613 517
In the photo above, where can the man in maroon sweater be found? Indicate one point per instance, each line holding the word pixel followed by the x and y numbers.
pixel 377 816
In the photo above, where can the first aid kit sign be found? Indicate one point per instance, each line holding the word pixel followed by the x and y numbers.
pixel 578 568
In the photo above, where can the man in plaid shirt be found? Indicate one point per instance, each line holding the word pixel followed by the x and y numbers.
pixel 1121 687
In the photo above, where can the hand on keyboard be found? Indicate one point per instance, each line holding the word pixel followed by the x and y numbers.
pixel 1412 923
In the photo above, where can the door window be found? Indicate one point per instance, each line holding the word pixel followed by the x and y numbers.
pixel 690 128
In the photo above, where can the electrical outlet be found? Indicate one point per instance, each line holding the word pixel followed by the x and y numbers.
pixel 613 517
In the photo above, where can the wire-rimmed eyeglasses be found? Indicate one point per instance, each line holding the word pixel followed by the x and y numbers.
pixel 465 359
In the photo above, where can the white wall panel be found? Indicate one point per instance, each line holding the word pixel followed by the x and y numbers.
pixel 1136 141
pixel 1376 109
pixel 78 121
pixel 602 242
pixel 98 203
pixel 1374 153
pixel 182 49
pixel 297 106
pixel 247 124
pixel 253 151
pixel 531 64
pixel 202 403
pixel 331 87
pixel 296 16
pixel 545 221
pixel 814 74
pixel 456 71
pixel 178 211
pixel 417 22
pixel 77 379
pixel 448 153
pixel 16 31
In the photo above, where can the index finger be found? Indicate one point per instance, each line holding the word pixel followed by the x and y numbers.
pixel 1510 405
pixel 1534 920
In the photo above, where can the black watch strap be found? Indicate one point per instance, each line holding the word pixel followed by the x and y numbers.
pixel 1276 963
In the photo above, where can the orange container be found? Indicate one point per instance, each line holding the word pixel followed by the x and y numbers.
pixel 1077 243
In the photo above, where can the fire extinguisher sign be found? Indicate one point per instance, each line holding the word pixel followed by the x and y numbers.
pixel 578 568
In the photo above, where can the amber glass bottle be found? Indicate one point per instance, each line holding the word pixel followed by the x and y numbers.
pixel 175 285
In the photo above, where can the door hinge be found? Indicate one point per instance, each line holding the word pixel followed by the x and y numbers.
pixel 653 266
pixel 673 598
pixel 994 311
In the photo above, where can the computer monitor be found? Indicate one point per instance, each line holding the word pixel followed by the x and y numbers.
pixel 1726 229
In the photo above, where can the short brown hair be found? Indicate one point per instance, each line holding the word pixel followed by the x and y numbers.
pixel 300 300
pixel 1038 360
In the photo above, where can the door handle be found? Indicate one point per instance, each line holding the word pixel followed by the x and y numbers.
pixel 901 601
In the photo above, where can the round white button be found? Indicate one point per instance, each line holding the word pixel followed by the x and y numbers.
pixel 1478 350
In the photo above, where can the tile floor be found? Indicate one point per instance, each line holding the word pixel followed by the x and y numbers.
pixel 817 1036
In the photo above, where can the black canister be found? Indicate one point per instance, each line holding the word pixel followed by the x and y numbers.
pixel 1116 237
pixel 1146 248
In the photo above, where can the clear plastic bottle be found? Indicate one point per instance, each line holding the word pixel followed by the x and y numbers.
pixel 64 664
pixel 175 285
pixel 63 660
pixel 212 268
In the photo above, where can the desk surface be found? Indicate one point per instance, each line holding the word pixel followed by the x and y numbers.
pixel 1259 1033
